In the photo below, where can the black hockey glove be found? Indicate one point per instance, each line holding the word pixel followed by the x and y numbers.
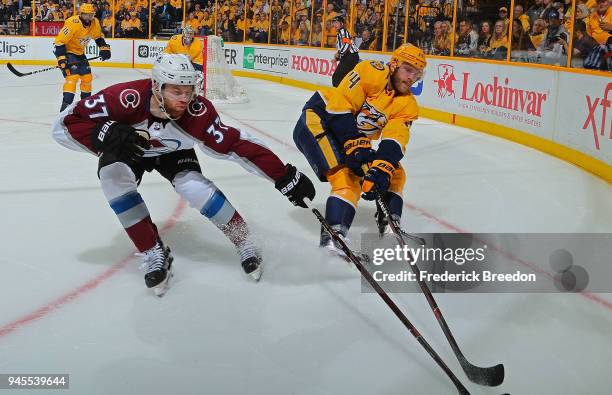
pixel 105 53
pixel 296 186
pixel 377 178
pixel 358 152
pixel 121 140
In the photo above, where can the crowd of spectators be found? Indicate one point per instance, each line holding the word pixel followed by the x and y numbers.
pixel 539 31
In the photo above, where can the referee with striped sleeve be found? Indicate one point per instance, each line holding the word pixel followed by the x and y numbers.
pixel 348 53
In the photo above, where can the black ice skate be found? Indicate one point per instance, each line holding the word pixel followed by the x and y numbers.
pixel 157 263
pixel 382 222
pixel 253 267
pixel 334 248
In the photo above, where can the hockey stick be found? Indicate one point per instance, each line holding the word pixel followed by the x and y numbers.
pixel 398 313
pixel 13 70
pixel 491 376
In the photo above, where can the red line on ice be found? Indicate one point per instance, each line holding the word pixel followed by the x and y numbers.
pixel 88 286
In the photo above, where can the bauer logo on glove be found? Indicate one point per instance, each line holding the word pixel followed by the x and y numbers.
pixel 377 179
pixel 296 186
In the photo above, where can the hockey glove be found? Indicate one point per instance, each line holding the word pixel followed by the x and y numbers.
pixel 296 186
pixel 121 140
pixel 377 179
pixel 105 53
pixel 358 152
pixel 62 62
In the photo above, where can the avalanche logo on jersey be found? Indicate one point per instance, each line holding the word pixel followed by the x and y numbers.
pixel 370 120
pixel 159 144
pixel 129 98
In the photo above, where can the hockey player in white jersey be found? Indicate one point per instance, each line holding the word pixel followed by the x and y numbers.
pixel 153 124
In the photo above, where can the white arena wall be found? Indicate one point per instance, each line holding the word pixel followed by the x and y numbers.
pixel 566 113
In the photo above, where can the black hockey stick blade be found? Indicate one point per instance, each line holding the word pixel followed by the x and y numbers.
pixel 489 376
pixel 13 70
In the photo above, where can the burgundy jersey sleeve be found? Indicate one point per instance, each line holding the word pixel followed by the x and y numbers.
pixel 225 141
pixel 123 103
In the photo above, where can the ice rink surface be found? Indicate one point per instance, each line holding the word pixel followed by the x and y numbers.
pixel 74 301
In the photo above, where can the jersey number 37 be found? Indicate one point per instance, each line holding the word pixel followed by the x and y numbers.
pixel 99 104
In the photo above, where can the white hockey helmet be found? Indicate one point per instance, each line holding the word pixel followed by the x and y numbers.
pixel 174 69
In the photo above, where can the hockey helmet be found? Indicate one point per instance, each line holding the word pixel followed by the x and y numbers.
pixel 87 8
pixel 410 54
pixel 86 13
pixel 173 69
pixel 188 34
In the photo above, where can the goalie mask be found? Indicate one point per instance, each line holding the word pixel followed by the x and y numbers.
pixel 173 69
pixel 188 35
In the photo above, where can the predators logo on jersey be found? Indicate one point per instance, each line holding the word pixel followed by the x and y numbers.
pixel 370 120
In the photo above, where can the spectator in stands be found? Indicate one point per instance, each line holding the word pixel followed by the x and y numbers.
pixel 484 39
pixel 535 11
pixel 330 30
pixel 258 31
pixel 303 33
pixel 522 17
pixel 582 12
pixel 538 32
pixel 585 46
pixel 467 40
pixel 283 35
pixel 520 38
pixel 441 42
pixel 107 26
pixel 548 8
pixel 57 14
pixel 206 25
pixel 499 42
pixel 25 19
pixel 240 26
pixel 104 12
pixel 599 23
pixel 166 14
pixel 4 17
pixel 143 15
pixel 364 40
pixel 503 16
pixel 317 35
pixel 225 27
pixel 127 27
pixel 554 45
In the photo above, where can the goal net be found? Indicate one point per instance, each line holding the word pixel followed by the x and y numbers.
pixel 218 83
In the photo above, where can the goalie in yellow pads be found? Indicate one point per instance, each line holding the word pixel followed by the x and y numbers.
pixel 187 45
pixel 337 127
pixel 69 50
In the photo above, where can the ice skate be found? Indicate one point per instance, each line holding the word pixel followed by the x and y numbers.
pixel 157 263
pixel 335 250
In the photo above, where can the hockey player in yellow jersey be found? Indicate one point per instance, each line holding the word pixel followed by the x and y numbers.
pixel 186 44
pixel 69 50
pixel 337 127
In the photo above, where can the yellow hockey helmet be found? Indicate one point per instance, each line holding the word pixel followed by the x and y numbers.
pixel 410 54
pixel 87 8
